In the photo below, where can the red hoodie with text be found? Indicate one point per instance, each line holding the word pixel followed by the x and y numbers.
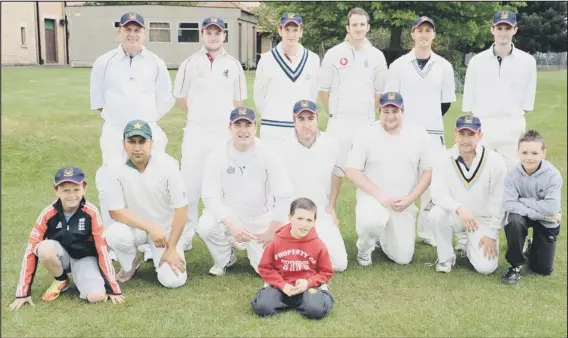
pixel 287 259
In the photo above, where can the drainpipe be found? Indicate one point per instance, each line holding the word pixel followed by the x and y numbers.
pixel 66 33
pixel 40 59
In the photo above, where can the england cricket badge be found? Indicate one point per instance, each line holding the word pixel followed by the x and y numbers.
pixel 230 170
pixel 366 64
pixel 307 76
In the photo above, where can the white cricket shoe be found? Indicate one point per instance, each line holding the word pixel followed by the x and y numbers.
pixel 148 257
pixel 218 272
pixel 446 266
pixel 364 260
pixel 461 242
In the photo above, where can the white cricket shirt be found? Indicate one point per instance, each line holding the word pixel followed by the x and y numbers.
pixel 352 77
pixel 279 84
pixel 311 169
pixel 508 89
pixel 392 162
pixel 152 195
pixel 479 189
pixel 423 90
pixel 245 184
pixel 131 88
pixel 210 85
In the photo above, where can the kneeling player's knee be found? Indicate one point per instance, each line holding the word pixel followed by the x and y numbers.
pixel 515 224
pixel 339 265
pixel 486 267
pixel 47 251
pixel 316 306
pixel 169 279
pixel 264 300
pixel 399 256
pixel 96 297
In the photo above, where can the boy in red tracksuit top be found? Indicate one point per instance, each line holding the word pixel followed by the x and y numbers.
pixel 68 237
pixel 296 266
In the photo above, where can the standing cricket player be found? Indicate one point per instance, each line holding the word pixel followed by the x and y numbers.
pixel 390 165
pixel 147 202
pixel 352 76
pixel 500 86
pixel 312 161
pixel 246 192
pixel 284 75
pixel 209 84
pixel 467 191
pixel 127 83
pixel 426 81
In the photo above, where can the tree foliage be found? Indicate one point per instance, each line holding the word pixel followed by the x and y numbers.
pixel 542 27
pixel 136 3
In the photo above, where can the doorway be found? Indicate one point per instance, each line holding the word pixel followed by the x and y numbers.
pixel 50 40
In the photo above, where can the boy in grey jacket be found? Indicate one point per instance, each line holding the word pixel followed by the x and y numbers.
pixel 532 199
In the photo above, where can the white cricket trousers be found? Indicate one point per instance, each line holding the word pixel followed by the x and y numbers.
pixel 424 230
pixel 445 224
pixel 198 142
pixel 112 148
pixel 344 131
pixel 330 235
pixel 124 240
pixel 394 230
pixel 501 134
pixel 272 135
pixel 215 235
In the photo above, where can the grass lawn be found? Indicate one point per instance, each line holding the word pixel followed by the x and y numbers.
pixel 46 123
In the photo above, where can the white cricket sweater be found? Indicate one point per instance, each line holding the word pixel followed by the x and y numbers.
pixel 480 190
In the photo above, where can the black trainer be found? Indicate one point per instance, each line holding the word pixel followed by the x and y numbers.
pixel 512 276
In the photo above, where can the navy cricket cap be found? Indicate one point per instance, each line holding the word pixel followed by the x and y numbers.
pixel 468 122
pixel 507 17
pixel 391 99
pixel 137 128
pixel 305 105
pixel 242 113
pixel 291 18
pixel 422 20
pixel 69 174
pixel 130 17
pixel 213 21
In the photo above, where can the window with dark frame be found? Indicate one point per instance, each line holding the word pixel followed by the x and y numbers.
pixel 188 32
pixel 226 32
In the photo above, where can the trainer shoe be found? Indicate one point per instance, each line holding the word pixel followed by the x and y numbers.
pixel 55 289
pixel 378 244
pixel 446 266
pixel 148 256
pixel 512 275
pixel 364 260
pixel 461 242
pixel 218 272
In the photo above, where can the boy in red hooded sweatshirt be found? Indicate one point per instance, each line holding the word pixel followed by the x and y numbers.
pixel 296 267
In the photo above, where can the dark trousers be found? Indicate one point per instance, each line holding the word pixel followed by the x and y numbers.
pixel 313 303
pixel 541 254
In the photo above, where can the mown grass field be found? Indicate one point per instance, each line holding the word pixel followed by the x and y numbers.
pixel 46 123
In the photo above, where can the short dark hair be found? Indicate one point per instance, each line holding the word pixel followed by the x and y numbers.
pixel 532 136
pixel 357 11
pixel 305 204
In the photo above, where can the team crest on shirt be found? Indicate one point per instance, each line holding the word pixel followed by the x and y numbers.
pixel 230 170
pixel 226 73
pixel 68 172
pixel 307 76
pixel 81 224
pixel 343 61
pixel 366 64
pixel 200 71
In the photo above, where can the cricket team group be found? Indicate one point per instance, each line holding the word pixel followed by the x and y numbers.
pixel 275 196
